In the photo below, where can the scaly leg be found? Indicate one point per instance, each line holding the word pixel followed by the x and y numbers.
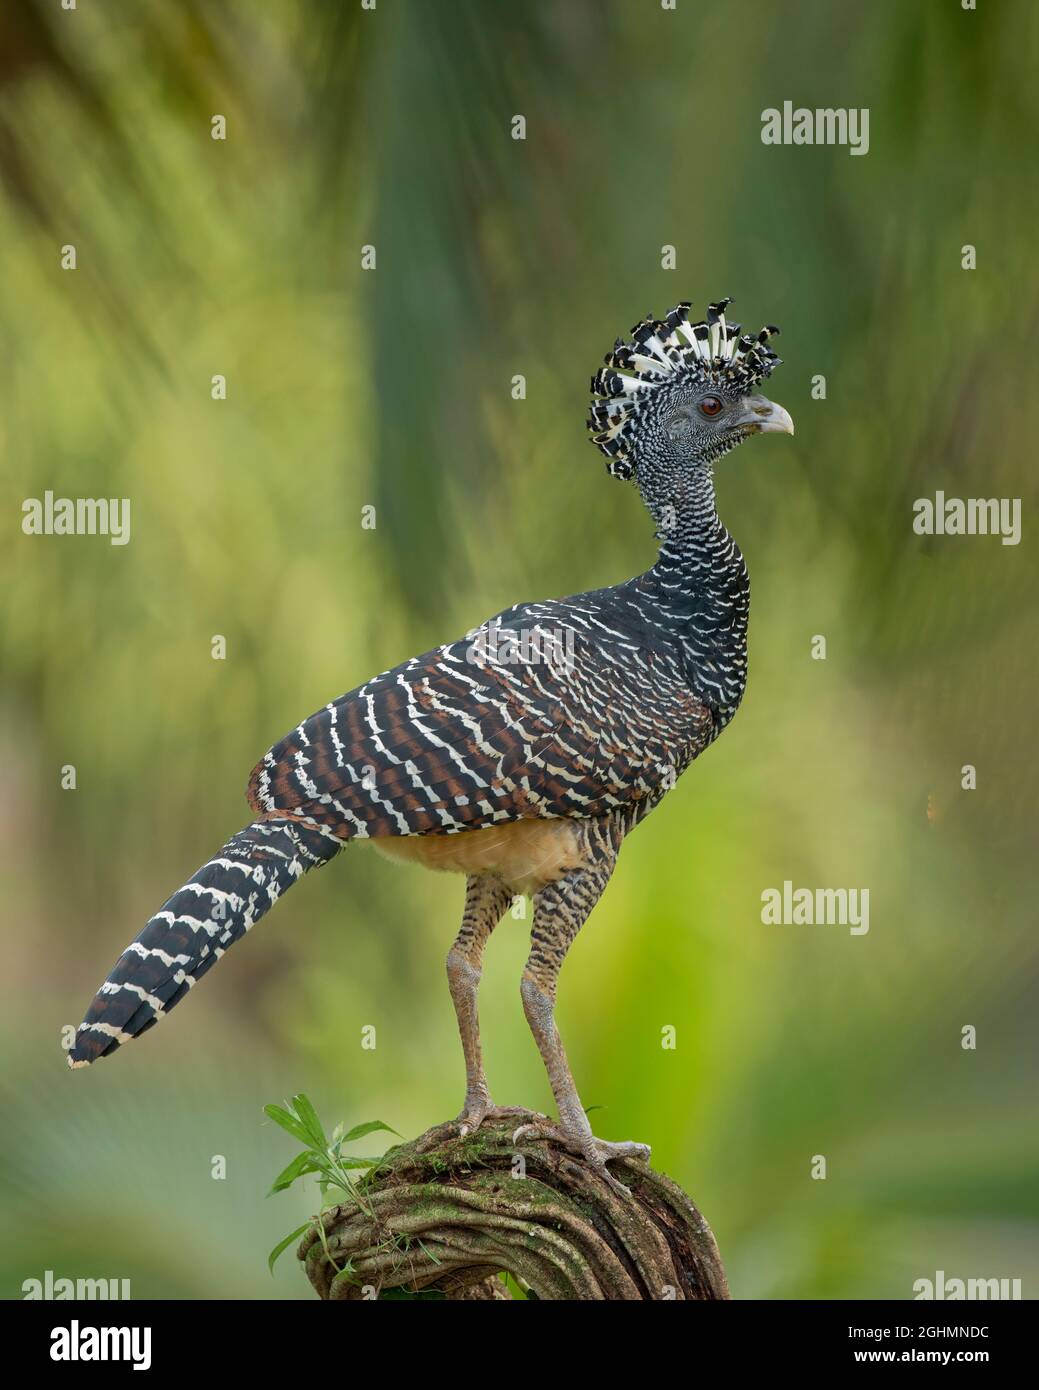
pixel 486 900
pixel 559 912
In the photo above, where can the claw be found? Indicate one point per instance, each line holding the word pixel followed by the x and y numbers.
pixel 474 1114
pixel 600 1151
pixel 534 1132
pixel 472 1117
pixel 596 1152
pixel 619 1187
pixel 640 1153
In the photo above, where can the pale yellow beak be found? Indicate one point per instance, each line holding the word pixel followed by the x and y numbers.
pixel 765 417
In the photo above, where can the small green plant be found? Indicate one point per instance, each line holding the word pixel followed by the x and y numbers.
pixel 321 1156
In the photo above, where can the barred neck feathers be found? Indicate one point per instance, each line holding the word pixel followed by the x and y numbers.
pixel 700 587
pixel 666 406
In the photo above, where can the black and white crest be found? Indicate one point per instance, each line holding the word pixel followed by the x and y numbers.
pixel 668 357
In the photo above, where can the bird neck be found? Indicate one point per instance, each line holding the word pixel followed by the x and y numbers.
pixel 697 554
pixel 700 587
pixel 683 508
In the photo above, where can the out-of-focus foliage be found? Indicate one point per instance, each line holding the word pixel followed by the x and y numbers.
pixel 392 388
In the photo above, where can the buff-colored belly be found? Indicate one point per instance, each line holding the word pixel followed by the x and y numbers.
pixel 525 854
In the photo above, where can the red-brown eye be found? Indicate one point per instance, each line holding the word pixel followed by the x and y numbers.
pixel 710 405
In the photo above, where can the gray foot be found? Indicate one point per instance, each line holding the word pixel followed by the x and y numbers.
pixel 480 1108
pixel 596 1152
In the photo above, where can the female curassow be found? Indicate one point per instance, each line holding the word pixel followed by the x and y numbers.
pixel 522 754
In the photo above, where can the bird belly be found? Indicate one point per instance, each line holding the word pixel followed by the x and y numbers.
pixel 525 854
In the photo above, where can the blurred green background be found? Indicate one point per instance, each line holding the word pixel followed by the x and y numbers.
pixel 392 388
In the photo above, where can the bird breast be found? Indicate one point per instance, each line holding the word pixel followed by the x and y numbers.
pixel 525 854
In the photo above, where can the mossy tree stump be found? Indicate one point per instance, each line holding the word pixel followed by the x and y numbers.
pixel 444 1216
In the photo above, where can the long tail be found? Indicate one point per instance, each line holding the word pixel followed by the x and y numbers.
pixel 192 931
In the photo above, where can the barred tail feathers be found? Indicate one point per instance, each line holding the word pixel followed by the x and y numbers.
pixel 190 933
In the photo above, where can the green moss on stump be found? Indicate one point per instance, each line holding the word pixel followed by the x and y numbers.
pixel 443 1216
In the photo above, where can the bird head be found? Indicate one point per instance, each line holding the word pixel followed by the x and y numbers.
pixel 682 394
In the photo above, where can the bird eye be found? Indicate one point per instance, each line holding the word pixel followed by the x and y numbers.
pixel 710 405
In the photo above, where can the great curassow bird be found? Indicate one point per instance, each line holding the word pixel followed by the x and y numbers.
pixel 523 754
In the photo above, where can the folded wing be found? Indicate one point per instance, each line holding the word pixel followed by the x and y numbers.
pixel 472 734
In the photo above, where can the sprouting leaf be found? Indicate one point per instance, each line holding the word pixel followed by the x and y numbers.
pixel 289 1122
pixel 359 1131
pixel 303 1163
pixel 309 1118
pixel 284 1244
pixel 332 1168
pixel 329 1173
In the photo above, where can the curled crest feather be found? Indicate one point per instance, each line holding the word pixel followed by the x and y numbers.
pixel 665 357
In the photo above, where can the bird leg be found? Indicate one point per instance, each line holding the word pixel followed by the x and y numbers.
pixel 559 911
pixel 486 900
